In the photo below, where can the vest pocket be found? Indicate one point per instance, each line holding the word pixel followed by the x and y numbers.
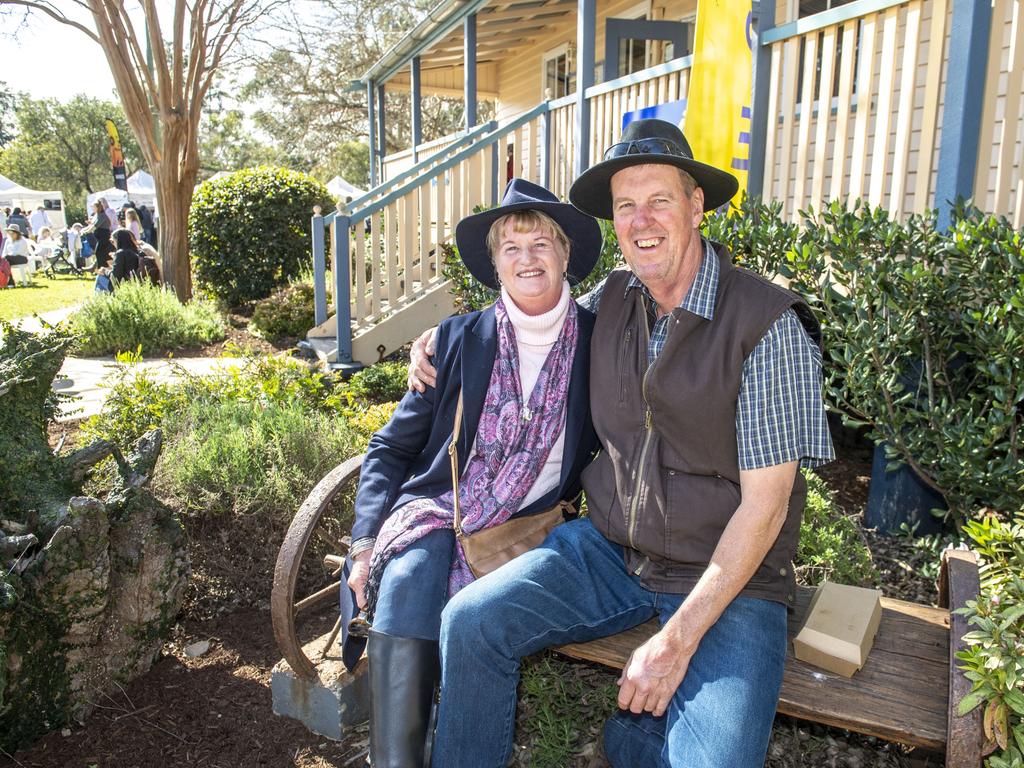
pixel 624 359
pixel 698 509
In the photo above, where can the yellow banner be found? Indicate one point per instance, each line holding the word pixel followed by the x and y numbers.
pixel 717 121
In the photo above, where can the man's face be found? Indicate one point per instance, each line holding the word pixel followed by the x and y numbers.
pixel 657 223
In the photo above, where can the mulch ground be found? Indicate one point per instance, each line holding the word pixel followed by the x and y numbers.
pixel 214 710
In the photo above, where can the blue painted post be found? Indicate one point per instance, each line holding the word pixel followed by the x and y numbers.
pixel 319 268
pixel 469 60
pixel 545 150
pixel 417 117
pixel 961 119
pixel 495 169
pixel 585 26
pixel 371 120
pixel 342 299
pixel 763 20
pixel 382 141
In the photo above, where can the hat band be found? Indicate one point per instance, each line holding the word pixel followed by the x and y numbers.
pixel 653 146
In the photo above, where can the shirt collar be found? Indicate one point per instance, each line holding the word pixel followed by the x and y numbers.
pixel 700 299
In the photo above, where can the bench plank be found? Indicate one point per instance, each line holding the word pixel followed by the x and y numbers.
pixel 901 694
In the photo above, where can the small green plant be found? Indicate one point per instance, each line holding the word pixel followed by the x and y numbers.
pixel 145 318
pixel 564 705
pixel 994 659
pixel 286 314
pixel 249 231
pixel 831 546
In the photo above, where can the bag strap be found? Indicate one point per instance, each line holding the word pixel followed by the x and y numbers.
pixel 453 454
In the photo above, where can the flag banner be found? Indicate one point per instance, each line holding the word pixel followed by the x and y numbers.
pixel 717 121
pixel 116 157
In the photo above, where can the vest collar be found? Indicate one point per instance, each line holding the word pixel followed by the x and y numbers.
pixel 700 300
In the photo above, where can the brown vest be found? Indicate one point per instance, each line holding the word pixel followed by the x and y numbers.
pixel 667 492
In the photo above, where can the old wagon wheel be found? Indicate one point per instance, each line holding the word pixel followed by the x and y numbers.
pixel 305 526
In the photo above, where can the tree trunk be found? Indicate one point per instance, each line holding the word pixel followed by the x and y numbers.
pixel 174 201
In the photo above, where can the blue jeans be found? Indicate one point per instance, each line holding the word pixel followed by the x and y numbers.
pixel 575 588
pixel 414 588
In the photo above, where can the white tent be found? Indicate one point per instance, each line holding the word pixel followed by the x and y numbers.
pixel 141 191
pixel 342 189
pixel 13 195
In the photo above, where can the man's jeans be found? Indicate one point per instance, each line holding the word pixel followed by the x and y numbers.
pixel 575 588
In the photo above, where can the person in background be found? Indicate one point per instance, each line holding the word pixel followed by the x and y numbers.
pixel 74 240
pixel 126 257
pixel 132 223
pixel 17 217
pixel 146 217
pixel 150 262
pixel 17 253
pixel 100 227
pixel 112 217
pixel 4 212
pixel 38 220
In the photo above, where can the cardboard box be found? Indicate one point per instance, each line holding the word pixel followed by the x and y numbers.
pixel 840 628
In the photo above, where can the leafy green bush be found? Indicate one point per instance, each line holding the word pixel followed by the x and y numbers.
pixel 994 659
pixel 249 231
pixel 831 546
pixel 380 383
pixel 286 314
pixel 236 457
pixel 141 316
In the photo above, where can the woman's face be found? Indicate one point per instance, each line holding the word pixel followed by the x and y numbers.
pixel 530 266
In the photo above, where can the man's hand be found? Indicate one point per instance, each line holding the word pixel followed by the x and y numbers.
pixel 358 575
pixel 422 373
pixel 653 673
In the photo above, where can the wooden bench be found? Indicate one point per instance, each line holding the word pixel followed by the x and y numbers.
pixel 906 692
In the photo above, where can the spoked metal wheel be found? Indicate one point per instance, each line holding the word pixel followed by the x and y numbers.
pixel 314 533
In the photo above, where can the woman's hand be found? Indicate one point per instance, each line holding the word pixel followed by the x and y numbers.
pixel 358 575
pixel 422 373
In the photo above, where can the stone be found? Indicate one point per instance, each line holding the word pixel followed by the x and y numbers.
pixel 332 704
pixel 197 649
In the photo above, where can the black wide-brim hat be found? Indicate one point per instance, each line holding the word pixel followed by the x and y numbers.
pixel 583 231
pixel 646 142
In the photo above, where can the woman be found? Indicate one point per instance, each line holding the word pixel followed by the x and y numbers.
pixel 17 253
pixel 100 227
pixel 126 257
pixel 521 368
pixel 132 223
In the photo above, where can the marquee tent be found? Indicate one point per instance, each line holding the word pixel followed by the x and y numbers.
pixel 13 195
pixel 141 191
pixel 342 189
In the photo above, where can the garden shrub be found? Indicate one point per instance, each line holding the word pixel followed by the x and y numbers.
pixel 373 418
pixel 831 545
pixel 249 231
pixel 141 316
pixel 288 313
pixel 994 658
pixel 380 383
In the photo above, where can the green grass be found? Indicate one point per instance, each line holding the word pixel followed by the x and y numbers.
pixel 45 295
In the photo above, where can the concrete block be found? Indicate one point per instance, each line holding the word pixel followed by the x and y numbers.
pixel 329 705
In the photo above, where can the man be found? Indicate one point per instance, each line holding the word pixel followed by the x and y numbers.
pixel 710 398
pixel 38 220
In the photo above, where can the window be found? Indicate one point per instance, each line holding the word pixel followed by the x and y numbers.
pixel 559 75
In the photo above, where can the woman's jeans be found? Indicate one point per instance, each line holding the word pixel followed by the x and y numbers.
pixel 575 588
pixel 414 588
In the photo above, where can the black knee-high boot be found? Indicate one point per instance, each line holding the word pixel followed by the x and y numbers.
pixel 403 674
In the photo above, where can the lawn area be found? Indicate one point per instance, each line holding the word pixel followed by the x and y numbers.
pixel 45 295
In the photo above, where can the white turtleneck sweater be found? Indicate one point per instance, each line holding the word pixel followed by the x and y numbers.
pixel 535 335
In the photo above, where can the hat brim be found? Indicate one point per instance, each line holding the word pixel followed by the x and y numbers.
pixel 583 231
pixel 592 191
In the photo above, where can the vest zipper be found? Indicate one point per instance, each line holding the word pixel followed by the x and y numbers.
pixel 635 501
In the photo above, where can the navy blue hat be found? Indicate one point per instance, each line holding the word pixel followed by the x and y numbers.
pixel 646 142
pixel 521 195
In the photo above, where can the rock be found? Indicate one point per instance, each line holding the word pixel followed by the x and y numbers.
pixel 197 649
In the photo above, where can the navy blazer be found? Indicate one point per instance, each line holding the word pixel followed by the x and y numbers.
pixel 408 458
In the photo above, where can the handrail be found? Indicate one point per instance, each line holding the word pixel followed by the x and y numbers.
pixel 676 65
pixel 451 162
pixel 842 13
pixel 438 156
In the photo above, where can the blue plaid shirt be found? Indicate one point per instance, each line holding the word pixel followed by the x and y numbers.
pixel 780 414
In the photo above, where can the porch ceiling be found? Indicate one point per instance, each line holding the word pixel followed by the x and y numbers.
pixel 438 39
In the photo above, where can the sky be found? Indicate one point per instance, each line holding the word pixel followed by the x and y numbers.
pixel 48 59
